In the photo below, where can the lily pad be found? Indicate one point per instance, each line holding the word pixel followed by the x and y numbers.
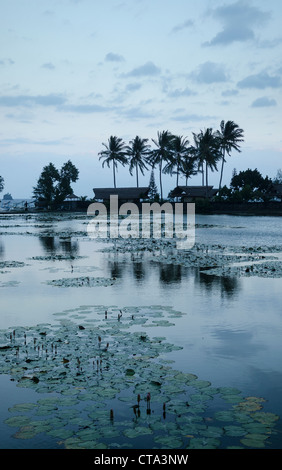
pixel 138 431
pixel 17 421
pixel 254 440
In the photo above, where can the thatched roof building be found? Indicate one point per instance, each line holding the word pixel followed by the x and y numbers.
pixel 124 194
pixel 193 193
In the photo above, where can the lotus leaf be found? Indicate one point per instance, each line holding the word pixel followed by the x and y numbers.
pixel 169 442
pixel 254 440
pixel 138 431
pixel 204 443
pixel 234 431
pixel 17 421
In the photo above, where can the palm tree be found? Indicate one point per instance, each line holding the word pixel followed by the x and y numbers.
pixel 180 150
pixel 230 135
pixel 187 167
pixel 162 153
pixel 137 151
pixel 115 153
pixel 207 150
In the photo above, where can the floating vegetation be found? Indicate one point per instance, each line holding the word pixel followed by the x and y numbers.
pixel 9 284
pixel 83 281
pixel 269 269
pixel 11 264
pixel 212 259
pixel 58 257
pixel 110 385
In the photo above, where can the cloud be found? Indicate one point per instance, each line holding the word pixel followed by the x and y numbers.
pixel 133 87
pixel 111 57
pixel 230 93
pixel 269 44
pixel 136 112
pixel 209 72
pixel 181 26
pixel 260 81
pixel 192 118
pixel 32 100
pixel 239 20
pixel 148 69
pixel 48 65
pixel 83 108
pixel 263 102
pixel 179 93
pixel 6 61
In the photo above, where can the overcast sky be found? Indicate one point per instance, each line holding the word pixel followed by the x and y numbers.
pixel 74 72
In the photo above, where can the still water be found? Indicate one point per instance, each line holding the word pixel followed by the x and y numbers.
pixel 230 331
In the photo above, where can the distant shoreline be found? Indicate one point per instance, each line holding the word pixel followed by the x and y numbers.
pixel 201 207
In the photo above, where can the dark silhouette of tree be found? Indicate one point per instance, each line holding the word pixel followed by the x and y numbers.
pixel 45 190
pixel 207 151
pixel 162 154
pixel 179 151
pixel 53 186
pixel 138 151
pixel 68 174
pixel 188 167
pixel 230 136
pixel 115 153
pixel 153 190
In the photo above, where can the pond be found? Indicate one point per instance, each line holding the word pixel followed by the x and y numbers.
pixel 133 344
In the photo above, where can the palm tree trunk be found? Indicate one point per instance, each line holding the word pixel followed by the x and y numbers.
pixel 114 174
pixel 207 180
pixel 177 174
pixel 203 175
pixel 161 186
pixel 221 173
pixel 137 176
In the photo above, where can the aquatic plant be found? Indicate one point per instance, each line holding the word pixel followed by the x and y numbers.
pixel 102 383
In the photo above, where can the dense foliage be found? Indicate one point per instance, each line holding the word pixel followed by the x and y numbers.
pixel 173 154
pixel 54 185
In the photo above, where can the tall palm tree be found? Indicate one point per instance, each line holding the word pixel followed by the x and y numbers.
pixel 188 167
pixel 162 153
pixel 137 151
pixel 207 150
pixel 180 150
pixel 230 135
pixel 115 153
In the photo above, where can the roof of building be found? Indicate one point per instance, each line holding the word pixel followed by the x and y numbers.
pixel 72 197
pixel 193 191
pixel 122 193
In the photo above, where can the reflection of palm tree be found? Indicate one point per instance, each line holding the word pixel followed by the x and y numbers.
pixel 162 153
pixel 207 151
pixel 115 153
pixel 137 152
pixel 230 135
pixel 180 150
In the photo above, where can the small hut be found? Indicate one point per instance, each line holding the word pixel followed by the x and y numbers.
pixel 193 193
pixel 135 195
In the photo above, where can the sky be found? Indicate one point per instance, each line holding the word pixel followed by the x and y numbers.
pixel 75 72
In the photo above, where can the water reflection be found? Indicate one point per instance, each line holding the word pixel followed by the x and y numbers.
pixel 140 268
pixel 2 250
pixel 228 286
pixel 54 245
pixel 172 273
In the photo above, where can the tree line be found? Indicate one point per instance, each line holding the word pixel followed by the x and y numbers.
pixel 249 185
pixel 173 154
